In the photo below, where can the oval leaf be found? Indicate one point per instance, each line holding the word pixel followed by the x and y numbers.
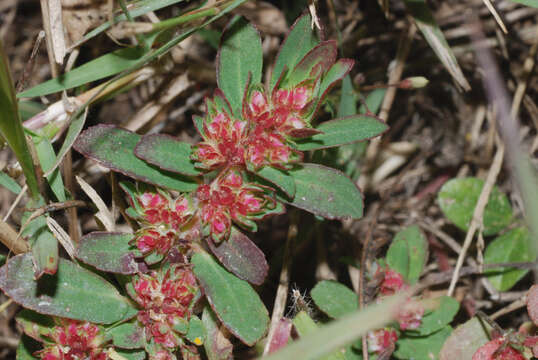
pixel 240 56
pixel 514 246
pixel 326 192
pixel 216 344
pixel 242 257
pixel 532 304
pixel 465 340
pixel 408 253
pixel 300 40
pixel 279 178
pixel 109 252
pixel 342 131
pixel 114 147
pixel 128 335
pixel 439 318
pixel 234 301
pixel 423 348
pixel 73 292
pixel 334 299
pixel 458 197
pixel 166 152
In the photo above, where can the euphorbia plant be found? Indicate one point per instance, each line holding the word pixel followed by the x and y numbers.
pixel 249 164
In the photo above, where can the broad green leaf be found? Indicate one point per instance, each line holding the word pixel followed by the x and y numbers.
pixel 342 131
pixel 216 344
pixel 166 152
pixel 305 325
pixel 128 335
pixel 513 246
pixel 10 184
pixel 34 324
pixel 104 66
pixel 422 347
pixel 349 329
pixel 326 192
pixel 47 158
pixel 43 243
pixel 465 340
pixel 73 292
pixel 242 257
pixel 239 57
pixel 113 148
pixel 532 3
pixel 458 197
pixel 109 252
pixel 11 127
pixel 297 44
pixel 435 38
pixel 234 301
pixel 334 299
pixel 279 178
pixel 373 101
pixel 196 331
pixel 408 253
pixel 27 346
pixel 438 318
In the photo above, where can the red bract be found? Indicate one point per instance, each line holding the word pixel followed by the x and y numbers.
pixel 410 316
pixel 228 198
pixel 166 298
pixel 392 283
pixel 382 341
pixel 74 340
pixel 493 351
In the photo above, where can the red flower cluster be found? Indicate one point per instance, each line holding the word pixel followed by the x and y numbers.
pixel 382 341
pixel 229 199
pixel 162 220
pixel 74 340
pixel 496 349
pixel 166 298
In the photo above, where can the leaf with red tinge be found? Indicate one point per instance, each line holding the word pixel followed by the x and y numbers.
pixel 233 300
pixel 217 345
pixel 278 177
pixel 532 303
pixel 113 148
pixel 110 252
pixel 281 336
pixel 486 351
pixel 465 340
pixel 166 152
pixel 128 335
pixel 316 62
pixel 242 257
pixel 65 294
pixel 326 192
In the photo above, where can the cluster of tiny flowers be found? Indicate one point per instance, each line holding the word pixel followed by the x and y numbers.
pixel 163 221
pixel 229 199
pixel 382 341
pixel 165 297
pixel 74 340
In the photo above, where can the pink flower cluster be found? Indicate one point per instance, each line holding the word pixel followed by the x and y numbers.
pixel 229 199
pixel 166 297
pixel 74 340
pixel 163 220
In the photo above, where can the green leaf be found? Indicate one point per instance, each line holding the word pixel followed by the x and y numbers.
pixel 11 127
pixel 439 318
pixel 458 197
pixel 422 348
pixel 242 257
pixel 196 331
pixel 73 292
pixel 313 64
pixel 240 56
pixel 216 344
pixel 300 40
pixel 334 299
pixel 132 354
pixel 43 243
pixel 104 66
pixel 434 36
pixel 128 335
pixel 109 252
pixel 373 101
pixel 342 131
pixel 113 148
pixel 513 246
pixel 10 184
pixel 234 301
pixel 279 178
pixel 27 346
pixel 465 340
pixel 28 109
pixel 166 152
pixel 47 158
pixel 33 324
pixel 408 253
pixel 326 192
pixel 305 325
pixel 532 3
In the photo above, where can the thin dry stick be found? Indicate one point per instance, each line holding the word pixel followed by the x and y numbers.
pixel 518 304
pixel 9 237
pixel 283 285
pixel 496 15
